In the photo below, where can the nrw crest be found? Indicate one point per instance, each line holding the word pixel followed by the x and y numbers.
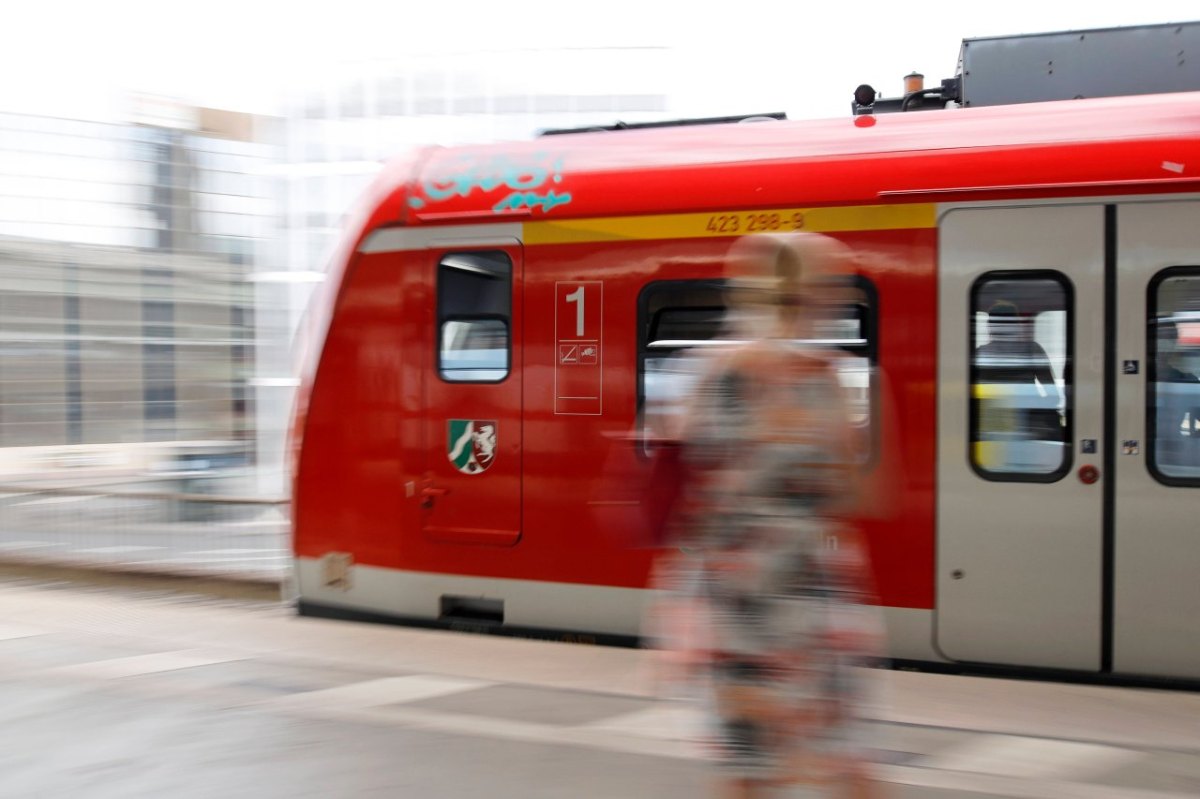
pixel 471 445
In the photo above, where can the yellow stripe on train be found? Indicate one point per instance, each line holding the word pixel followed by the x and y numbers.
pixel 732 223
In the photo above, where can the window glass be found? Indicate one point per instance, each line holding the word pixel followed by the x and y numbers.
pixel 474 297
pixel 680 318
pixel 1174 386
pixel 474 349
pixel 1020 375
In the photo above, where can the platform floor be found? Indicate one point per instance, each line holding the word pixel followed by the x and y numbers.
pixel 118 691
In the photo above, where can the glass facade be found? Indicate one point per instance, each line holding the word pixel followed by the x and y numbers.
pixel 126 313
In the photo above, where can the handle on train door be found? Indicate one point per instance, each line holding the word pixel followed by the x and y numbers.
pixel 429 493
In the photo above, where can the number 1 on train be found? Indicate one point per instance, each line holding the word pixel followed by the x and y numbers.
pixel 576 296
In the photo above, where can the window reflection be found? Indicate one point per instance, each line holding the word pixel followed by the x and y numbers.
pixel 474 350
pixel 474 307
pixel 1019 366
pixel 1175 388
pixel 685 318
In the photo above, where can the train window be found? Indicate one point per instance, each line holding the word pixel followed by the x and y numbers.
pixel 1173 381
pixel 1021 376
pixel 675 316
pixel 679 318
pixel 474 304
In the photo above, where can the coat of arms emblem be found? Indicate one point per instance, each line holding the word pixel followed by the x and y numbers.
pixel 471 445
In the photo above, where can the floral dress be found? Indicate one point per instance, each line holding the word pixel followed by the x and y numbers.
pixel 772 580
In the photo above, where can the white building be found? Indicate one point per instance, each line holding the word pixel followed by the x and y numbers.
pixel 125 311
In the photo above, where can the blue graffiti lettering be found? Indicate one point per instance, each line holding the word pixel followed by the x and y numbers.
pixel 531 199
pixel 525 177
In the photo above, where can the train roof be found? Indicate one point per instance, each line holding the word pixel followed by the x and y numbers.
pixel 1152 140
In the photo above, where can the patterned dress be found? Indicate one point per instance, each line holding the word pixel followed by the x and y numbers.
pixel 771 582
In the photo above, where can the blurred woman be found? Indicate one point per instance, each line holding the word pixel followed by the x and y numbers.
pixel 772 578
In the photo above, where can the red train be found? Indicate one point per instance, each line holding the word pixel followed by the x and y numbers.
pixel 496 314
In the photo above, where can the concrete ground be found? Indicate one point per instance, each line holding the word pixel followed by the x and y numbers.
pixel 129 690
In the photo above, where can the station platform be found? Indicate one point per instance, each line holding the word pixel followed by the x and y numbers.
pixel 126 691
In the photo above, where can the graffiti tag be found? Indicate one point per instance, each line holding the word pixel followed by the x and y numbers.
pixel 524 182
pixel 531 199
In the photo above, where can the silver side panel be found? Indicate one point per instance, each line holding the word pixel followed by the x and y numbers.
pixel 910 634
pixel 1027 555
pixel 1156 620
pixel 396 239
pixel 529 603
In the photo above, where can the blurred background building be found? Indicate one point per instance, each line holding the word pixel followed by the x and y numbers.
pixel 125 315
pixel 155 269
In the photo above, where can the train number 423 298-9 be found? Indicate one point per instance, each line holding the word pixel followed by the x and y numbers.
pixel 754 222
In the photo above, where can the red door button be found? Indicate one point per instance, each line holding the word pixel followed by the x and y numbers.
pixel 1088 474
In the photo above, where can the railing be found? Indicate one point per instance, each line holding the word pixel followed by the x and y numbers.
pixel 167 532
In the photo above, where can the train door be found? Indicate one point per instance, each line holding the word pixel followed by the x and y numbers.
pixel 1021 434
pixel 471 491
pixel 1156 560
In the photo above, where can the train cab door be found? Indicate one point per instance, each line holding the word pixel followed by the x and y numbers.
pixel 1020 516
pixel 470 491
pixel 1156 532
